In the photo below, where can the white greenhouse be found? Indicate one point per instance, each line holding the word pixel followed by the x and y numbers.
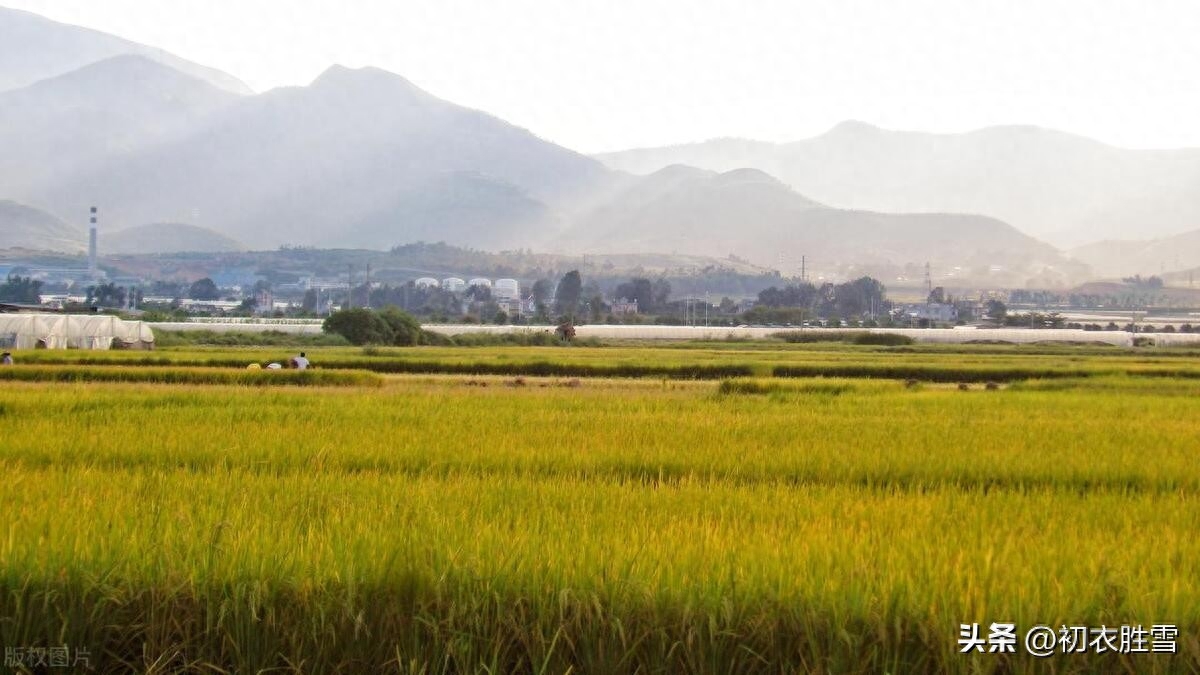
pixel 66 331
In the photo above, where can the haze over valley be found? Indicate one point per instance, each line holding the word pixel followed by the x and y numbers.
pixel 183 157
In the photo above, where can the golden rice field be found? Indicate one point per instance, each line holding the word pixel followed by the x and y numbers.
pixel 196 518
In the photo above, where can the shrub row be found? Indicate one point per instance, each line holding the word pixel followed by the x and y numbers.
pixel 270 338
pixel 549 369
pixel 252 378
pixel 925 373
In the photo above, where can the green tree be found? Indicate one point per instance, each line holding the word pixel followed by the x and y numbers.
pixel 801 295
pixel 639 289
pixel 566 297
pixel 309 304
pixel 996 310
pixel 542 290
pixel 596 305
pixel 662 294
pixel 360 327
pixel 106 295
pixel 204 289
pixel 406 330
pixel 859 297
pixel 24 290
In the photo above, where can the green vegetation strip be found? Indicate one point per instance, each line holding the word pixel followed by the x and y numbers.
pixel 192 376
pixel 711 361
pixel 927 373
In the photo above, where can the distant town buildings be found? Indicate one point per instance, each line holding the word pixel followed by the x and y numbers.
pixel 623 307
pixel 932 311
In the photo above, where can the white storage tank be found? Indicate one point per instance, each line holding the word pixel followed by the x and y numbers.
pixel 454 284
pixel 427 282
pixel 506 289
pixel 479 281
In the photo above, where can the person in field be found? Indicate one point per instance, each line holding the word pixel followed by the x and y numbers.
pixel 301 362
pixel 6 359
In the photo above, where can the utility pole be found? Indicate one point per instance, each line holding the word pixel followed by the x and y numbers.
pixel 350 286
pixel 803 270
pixel 928 281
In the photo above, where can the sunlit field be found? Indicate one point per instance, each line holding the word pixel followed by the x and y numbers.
pixel 173 512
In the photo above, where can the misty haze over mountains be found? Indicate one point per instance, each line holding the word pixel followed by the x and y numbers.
pixel 35 48
pixel 363 158
pixel 1065 189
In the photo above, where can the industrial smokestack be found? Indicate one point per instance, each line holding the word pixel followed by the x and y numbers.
pixel 92 267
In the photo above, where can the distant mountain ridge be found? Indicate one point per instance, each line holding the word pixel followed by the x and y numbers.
pixel 1145 257
pixel 91 118
pixel 309 165
pixel 685 210
pixel 1050 184
pixel 365 158
pixel 35 48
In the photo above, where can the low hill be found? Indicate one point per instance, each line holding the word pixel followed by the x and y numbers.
pixel 167 238
pixel 750 214
pixel 26 227
pixel 465 208
pixel 1146 257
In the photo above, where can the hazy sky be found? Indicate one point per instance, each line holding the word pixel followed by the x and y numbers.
pixel 611 74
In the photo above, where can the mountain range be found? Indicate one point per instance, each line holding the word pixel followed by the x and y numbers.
pixel 1123 258
pixel 179 156
pixel 35 48
pixel 747 212
pixel 1062 188
pixel 314 165
pixel 63 130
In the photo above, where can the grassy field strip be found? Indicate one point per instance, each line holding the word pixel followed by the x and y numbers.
pixel 670 363
pixel 485 523
pixel 484 570
pixel 191 375
pixel 850 432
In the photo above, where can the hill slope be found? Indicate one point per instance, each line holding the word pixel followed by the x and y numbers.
pixel 1051 185
pixel 167 238
pixel 93 117
pixel 306 165
pixel 35 48
pixel 750 214
pixel 1124 258
pixel 26 227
